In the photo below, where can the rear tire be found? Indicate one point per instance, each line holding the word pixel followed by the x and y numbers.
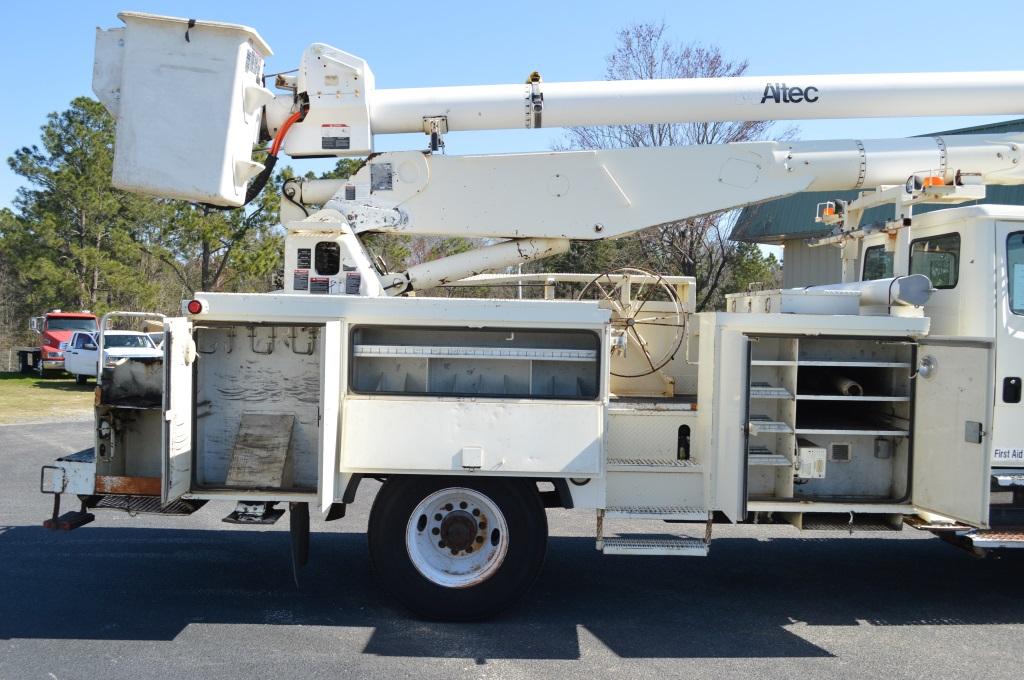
pixel 497 527
pixel 81 379
pixel 24 363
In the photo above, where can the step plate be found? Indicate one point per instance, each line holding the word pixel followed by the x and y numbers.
pixel 681 547
pixel 148 505
pixel 997 538
pixel 656 512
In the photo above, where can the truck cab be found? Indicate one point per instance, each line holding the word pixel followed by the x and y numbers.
pixel 974 257
pixel 54 327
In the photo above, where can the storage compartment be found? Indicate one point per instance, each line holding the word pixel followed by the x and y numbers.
pixel 515 400
pixel 844 404
pixel 243 372
pixel 516 363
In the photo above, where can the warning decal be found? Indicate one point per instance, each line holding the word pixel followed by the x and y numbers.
pixel 334 136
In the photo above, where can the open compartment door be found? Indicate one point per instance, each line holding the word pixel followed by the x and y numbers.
pixel 952 407
pixel 178 408
pixel 722 415
pixel 330 396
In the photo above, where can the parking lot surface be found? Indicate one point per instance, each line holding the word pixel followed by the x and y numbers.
pixel 151 596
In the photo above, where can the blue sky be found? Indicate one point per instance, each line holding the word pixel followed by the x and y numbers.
pixel 48 46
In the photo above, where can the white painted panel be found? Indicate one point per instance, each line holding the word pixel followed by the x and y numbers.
pixel 179 353
pixel 330 423
pixel 557 438
pixel 951 475
pixel 722 384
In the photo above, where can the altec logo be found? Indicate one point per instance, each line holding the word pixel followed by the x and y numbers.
pixel 779 93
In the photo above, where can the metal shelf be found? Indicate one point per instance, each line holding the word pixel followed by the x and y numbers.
pixel 853 431
pixel 771 362
pixel 432 352
pixel 841 397
pixel 762 425
pixel 765 391
pixel 855 364
pixel 768 460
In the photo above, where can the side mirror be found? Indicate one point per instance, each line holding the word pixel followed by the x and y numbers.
pixel 62 346
pixel 89 346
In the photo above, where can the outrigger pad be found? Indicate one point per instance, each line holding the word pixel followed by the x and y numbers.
pixel 262 454
pixel 69 520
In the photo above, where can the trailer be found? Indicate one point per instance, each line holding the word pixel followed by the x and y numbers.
pixel 889 399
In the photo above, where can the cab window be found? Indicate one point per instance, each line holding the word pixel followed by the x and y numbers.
pixel 1015 271
pixel 877 263
pixel 938 258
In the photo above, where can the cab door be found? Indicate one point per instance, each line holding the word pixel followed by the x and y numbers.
pixel 951 431
pixel 71 363
pixel 1008 416
pixel 178 409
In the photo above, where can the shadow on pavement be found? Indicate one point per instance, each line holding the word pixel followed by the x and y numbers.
pixel 149 584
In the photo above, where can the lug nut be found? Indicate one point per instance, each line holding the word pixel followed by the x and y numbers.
pixel 437 517
pixel 463 505
pixel 435 531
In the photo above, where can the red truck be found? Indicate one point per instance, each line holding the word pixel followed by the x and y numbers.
pixel 53 328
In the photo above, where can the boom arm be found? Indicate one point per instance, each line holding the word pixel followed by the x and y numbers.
pixel 588 195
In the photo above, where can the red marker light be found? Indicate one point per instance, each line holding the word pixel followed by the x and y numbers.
pixel 195 306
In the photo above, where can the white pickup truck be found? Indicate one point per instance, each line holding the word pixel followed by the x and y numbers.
pixel 82 355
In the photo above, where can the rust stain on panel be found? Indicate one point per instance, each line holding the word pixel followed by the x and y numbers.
pixel 128 486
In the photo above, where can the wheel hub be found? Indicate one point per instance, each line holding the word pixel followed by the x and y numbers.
pixel 458 530
pixel 457 537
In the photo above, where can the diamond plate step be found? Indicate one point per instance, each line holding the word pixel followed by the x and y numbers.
pixel 681 547
pixel 651 465
pixel 997 538
pixel 149 505
pixel 656 512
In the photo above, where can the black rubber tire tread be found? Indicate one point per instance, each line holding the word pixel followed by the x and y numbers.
pixel 528 536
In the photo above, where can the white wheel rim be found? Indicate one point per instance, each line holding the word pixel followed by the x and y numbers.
pixel 446 547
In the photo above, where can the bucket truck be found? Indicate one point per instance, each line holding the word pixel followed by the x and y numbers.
pixel 872 403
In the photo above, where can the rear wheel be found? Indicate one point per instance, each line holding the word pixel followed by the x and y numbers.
pixel 81 379
pixel 457 548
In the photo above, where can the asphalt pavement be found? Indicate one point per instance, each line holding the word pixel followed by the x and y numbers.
pixel 192 597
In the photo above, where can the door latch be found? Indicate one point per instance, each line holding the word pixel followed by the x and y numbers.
pixel 973 432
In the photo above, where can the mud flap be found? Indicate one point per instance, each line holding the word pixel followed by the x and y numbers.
pixel 298 526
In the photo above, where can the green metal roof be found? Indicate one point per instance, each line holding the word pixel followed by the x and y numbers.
pixel 793 216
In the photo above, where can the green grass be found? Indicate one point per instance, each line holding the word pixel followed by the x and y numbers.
pixel 28 398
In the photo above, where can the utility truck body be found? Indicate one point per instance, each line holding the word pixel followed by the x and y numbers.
pixel 874 402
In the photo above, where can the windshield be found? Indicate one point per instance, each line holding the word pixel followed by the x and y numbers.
pixel 126 341
pixel 59 324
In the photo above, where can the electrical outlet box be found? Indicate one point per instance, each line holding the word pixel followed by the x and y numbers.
pixel 810 460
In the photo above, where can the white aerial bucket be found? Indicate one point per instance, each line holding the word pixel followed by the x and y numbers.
pixel 188 97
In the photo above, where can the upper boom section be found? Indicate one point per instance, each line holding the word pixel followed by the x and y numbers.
pixel 190 103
